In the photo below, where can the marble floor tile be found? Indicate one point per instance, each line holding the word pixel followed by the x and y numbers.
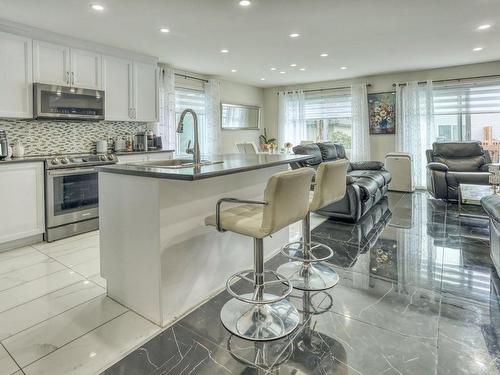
pixel 469 337
pixel 36 288
pixel 97 279
pixel 20 251
pixel 66 242
pixel 57 250
pixel 88 269
pixel 19 262
pixel 36 342
pixel 97 349
pixel 29 273
pixel 7 364
pixel 31 313
pixel 78 257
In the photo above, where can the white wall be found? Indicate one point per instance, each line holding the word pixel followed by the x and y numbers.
pixel 380 144
pixel 232 93
pixel 237 93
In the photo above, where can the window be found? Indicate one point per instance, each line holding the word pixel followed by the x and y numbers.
pixel 194 99
pixel 328 117
pixel 469 112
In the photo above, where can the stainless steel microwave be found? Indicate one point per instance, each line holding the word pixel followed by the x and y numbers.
pixel 62 102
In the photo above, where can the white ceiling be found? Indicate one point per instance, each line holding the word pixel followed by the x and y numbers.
pixel 367 36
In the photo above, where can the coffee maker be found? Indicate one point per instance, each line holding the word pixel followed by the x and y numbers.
pixel 4 145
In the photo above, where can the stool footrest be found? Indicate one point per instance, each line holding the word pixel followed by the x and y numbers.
pixel 299 246
pixel 279 279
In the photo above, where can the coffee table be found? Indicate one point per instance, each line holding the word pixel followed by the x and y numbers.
pixel 469 199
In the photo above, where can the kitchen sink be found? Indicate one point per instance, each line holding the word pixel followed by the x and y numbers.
pixel 175 163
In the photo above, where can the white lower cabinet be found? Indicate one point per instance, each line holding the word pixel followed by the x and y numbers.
pixel 22 200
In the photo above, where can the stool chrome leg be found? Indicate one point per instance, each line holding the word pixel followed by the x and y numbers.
pixel 309 273
pixel 249 316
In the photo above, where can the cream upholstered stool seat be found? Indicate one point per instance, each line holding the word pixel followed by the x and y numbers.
pixel 307 271
pixel 260 315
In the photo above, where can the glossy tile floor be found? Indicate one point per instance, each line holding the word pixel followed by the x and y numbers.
pixel 55 317
pixel 418 295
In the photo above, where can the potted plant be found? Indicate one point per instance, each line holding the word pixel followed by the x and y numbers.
pixel 265 143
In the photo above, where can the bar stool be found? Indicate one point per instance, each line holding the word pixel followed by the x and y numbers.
pixel 307 271
pixel 262 316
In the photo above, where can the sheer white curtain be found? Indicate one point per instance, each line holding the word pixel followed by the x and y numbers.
pixel 360 131
pixel 210 133
pixel 415 125
pixel 166 123
pixel 291 117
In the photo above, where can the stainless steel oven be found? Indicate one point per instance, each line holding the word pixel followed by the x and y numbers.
pixel 61 102
pixel 72 195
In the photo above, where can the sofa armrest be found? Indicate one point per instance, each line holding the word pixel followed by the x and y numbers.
pixel 349 180
pixel 367 165
pixel 485 167
pixel 437 167
pixel 491 205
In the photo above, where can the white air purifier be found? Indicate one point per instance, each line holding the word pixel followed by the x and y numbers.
pixel 401 167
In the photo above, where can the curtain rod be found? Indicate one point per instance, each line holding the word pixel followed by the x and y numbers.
pixel 328 89
pixel 191 77
pixel 451 80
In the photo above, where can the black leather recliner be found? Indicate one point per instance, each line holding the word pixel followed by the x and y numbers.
pixel 453 163
pixel 367 181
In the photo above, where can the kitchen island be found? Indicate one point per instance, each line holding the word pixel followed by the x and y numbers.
pixel 157 256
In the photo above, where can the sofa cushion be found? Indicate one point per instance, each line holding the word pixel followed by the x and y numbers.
pixel 311 149
pixel 374 175
pixel 367 186
pixel 457 149
pixel 328 151
pixel 340 151
pixel 491 205
pixel 475 178
pixel 465 164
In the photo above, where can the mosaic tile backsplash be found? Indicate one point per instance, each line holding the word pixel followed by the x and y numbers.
pixel 61 137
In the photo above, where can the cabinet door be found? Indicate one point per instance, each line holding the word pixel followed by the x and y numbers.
pixel 160 156
pixel 137 158
pixel 16 94
pixel 145 92
pixel 86 69
pixel 117 88
pixel 22 201
pixel 51 63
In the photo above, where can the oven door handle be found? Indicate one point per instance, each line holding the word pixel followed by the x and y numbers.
pixel 70 171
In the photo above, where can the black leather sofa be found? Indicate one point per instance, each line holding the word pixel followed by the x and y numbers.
pixel 367 181
pixel 491 205
pixel 453 163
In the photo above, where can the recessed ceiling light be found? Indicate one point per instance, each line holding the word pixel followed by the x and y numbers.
pixel 224 50
pixel 483 27
pixel 282 72
pixel 324 55
pixel 233 70
pixel 343 67
pixel 245 3
pixel 273 69
pixel 294 35
pixel 262 79
pixel 477 49
pixel 97 7
pixel 302 69
pixel 164 30
pixel 293 65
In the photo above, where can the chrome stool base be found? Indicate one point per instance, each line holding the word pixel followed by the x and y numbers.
pixel 309 276
pixel 262 322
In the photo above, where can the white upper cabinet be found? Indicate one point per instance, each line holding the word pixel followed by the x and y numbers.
pixel 61 65
pixel 15 76
pixel 145 92
pixel 51 63
pixel 117 88
pixel 86 69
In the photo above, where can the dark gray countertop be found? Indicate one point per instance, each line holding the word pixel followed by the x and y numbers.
pixel 120 153
pixel 24 159
pixel 232 163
